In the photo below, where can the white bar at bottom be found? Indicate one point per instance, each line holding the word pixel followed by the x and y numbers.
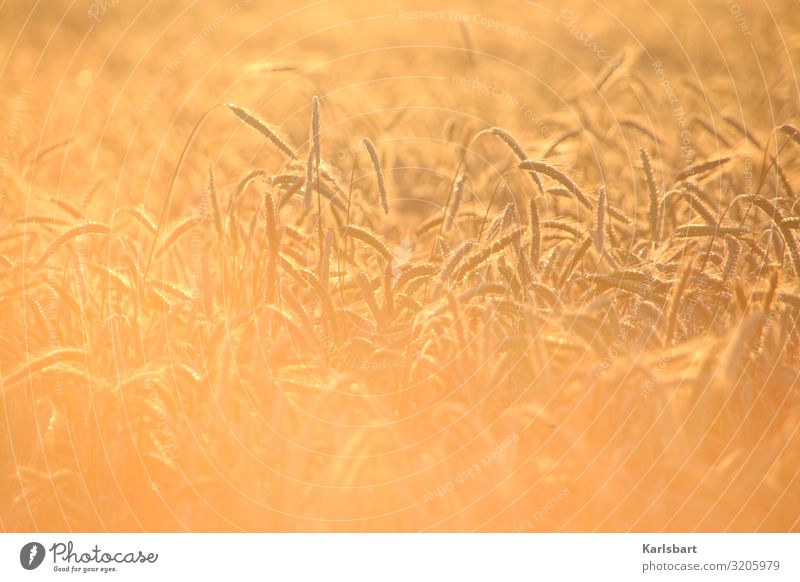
pixel 403 557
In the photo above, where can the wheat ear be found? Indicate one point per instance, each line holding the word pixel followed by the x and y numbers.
pixel 600 220
pixel 576 257
pixel 376 165
pixel 309 186
pixel 652 190
pixel 94 228
pixel 211 191
pixel 388 297
pixel 788 238
pixel 369 238
pixel 536 235
pixel 701 168
pixel 315 128
pixel 458 190
pixel 265 129
pixel 272 241
pixel 734 248
pixel 558 176
pixel 792 132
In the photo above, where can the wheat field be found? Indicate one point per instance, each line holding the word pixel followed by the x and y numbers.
pixel 354 266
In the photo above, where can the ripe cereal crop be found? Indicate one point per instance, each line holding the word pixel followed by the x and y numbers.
pixel 270 268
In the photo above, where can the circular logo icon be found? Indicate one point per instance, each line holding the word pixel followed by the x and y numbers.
pixel 31 555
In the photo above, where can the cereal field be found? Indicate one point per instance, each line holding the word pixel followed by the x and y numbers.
pixel 397 266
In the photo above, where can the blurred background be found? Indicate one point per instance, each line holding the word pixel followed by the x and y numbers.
pixel 99 100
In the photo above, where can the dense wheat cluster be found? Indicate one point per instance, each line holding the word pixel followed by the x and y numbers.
pixel 352 267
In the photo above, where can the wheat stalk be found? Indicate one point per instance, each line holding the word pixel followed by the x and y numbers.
pixel 88 228
pixel 139 213
pixel 558 176
pixel 791 131
pixel 458 190
pixel 788 238
pixel 409 273
pixel 536 234
pixel 368 237
pixel 692 230
pixel 652 190
pixel 265 129
pixel 211 193
pixel 273 246
pixel 376 166
pixel 732 259
pixel 502 221
pixel 580 251
pixel 315 129
pixel 309 186
pixel 769 296
pixel 633 124
pixel 368 295
pixel 455 258
pixel 36 364
pixel 325 258
pixel 600 220
pixel 695 170
pixel 711 131
pixel 388 296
